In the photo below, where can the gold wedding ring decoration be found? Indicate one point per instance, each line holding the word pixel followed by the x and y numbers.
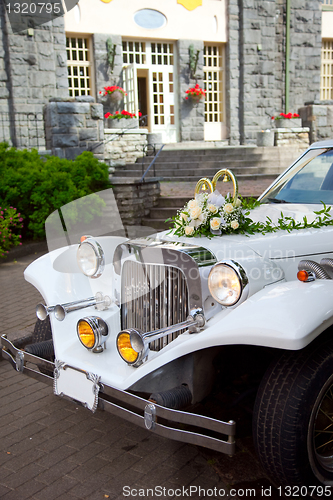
pixel 205 183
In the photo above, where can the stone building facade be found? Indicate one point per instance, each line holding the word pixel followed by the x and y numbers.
pixel 33 69
pixel 236 49
pixel 256 60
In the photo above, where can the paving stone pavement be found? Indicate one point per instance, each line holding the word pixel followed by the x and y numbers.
pixel 52 449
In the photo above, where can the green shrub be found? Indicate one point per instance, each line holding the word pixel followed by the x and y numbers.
pixel 39 186
pixel 10 223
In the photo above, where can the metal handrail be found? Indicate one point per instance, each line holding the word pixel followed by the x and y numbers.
pixel 116 136
pixel 151 164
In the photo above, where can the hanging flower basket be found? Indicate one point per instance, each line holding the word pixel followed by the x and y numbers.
pixel 195 93
pixel 116 96
pixel 196 98
pixel 114 93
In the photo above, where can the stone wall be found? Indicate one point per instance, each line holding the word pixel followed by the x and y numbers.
pixel 191 116
pixel 255 62
pixel 135 198
pixel 319 118
pixel 32 68
pixel 74 125
pixel 292 137
pixel 124 148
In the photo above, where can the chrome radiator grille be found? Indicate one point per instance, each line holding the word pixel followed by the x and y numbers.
pixel 153 297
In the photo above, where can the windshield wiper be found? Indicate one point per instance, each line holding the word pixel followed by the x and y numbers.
pixel 275 200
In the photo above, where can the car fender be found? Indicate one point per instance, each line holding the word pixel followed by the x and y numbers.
pixel 287 315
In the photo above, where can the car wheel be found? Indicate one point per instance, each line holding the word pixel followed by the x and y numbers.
pixel 293 417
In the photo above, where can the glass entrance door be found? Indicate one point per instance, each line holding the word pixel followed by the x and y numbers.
pixel 151 65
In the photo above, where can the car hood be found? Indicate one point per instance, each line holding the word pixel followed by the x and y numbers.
pixel 278 245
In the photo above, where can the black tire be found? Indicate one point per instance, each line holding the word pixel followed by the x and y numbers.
pixel 294 405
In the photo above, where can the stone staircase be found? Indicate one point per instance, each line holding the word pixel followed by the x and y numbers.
pixel 179 164
pixel 167 207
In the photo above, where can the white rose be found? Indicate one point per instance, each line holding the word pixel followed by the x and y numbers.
pixel 192 204
pixel 189 230
pixel 212 208
pixel 183 217
pixel 215 223
pixel 195 212
pixel 234 224
pixel 238 203
pixel 228 208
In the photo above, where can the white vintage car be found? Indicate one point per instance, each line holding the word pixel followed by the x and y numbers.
pixel 140 326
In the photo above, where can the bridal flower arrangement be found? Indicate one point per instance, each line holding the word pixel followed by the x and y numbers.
pixel 211 215
pixel 214 215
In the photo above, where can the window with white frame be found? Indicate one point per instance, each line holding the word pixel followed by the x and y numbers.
pixel 326 77
pixel 79 65
pixel 213 82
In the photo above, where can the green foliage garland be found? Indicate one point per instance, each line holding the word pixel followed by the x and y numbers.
pixel 198 217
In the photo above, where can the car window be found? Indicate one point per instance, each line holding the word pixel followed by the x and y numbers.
pixel 310 180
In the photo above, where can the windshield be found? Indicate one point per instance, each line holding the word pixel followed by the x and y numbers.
pixel 310 180
pixel 96 215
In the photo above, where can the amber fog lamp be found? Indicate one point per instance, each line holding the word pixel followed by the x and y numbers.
pixel 92 332
pixel 86 334
pixel 131 346
pixel 125 348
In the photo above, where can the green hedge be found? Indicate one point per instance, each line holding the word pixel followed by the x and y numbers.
pixel 37 186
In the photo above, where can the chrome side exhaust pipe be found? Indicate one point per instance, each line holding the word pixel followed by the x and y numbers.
pixel 100 301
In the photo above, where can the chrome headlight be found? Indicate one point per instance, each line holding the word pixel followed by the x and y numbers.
pixel 227 283
pixel 90 257
pixel 92 332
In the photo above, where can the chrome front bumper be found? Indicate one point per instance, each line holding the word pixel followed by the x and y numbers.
pixel 134 409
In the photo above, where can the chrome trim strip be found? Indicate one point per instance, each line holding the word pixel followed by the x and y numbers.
pixel 227 429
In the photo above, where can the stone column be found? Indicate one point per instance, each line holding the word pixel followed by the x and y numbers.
pixel 232 81
pixel 74 125
pixel 135 198
pixel 191 115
